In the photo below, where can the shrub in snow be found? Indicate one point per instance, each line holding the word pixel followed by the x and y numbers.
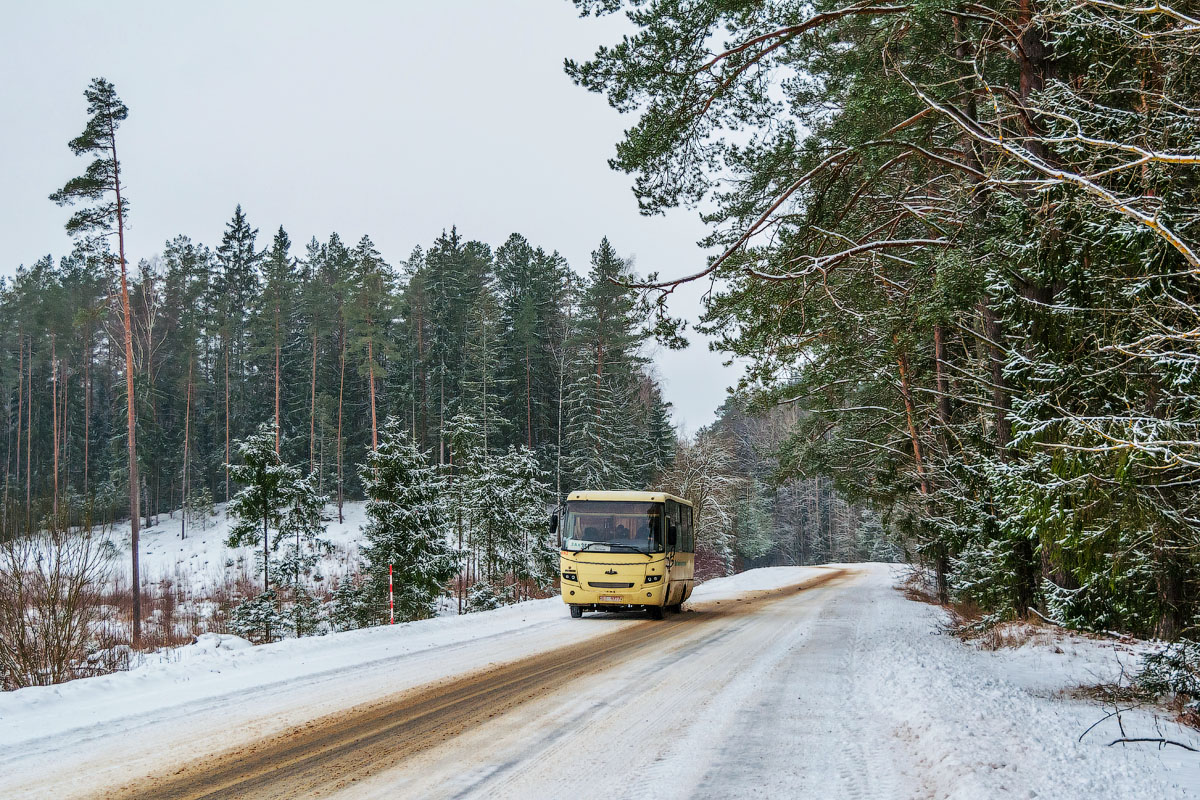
pixel 258 619
pixel 199 508
pixel 347 611
pixel 1173 670
pixel 484 597
pixel 48 606
pixel 304 615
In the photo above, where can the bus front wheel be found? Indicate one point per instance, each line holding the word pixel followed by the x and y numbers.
pixel 655 612
pixel 676 608
pixel 576 612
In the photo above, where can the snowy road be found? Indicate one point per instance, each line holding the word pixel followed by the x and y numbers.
pixel 831 686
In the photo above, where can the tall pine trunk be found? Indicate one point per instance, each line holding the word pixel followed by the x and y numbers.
pixel 20 401
pixel 528 402
pixel 341 394
pixel 371 379
pixel 29 441
pixel 909 415
pixel 131 418
pixel 312 408
pixel 54 418
pixel 87 407
pixel 227 420
pixel 187 421
pixel 276 378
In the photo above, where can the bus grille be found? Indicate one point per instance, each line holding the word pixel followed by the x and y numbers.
pixel 609 585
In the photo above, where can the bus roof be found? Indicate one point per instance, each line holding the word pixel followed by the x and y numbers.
pixel 645 497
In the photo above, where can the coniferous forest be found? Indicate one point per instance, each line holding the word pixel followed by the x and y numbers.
pixel 961 238
pixel 328 340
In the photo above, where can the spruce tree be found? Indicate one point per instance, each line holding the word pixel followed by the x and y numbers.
pixel 266 495
pixel 405 529
pixel 232 291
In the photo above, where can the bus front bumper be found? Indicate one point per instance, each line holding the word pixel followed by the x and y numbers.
pixel 651 594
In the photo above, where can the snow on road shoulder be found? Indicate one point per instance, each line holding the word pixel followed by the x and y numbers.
pixel 1000 724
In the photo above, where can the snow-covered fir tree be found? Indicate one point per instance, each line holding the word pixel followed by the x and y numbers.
pixel 405 529
pixel 265 494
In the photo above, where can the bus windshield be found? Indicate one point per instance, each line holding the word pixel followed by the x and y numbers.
pixel 613 526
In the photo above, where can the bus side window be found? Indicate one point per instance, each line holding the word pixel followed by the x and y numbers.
pixel 689 536
pixel 672 518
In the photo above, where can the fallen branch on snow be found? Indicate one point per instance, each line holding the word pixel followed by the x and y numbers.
pixel 1157 741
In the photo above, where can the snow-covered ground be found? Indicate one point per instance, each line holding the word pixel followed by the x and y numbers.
pixel 200 562
pixel 843 690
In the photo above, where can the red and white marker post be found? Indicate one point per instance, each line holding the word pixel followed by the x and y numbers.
pixel 391 598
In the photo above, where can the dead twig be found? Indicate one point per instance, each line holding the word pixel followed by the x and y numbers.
pixel 1159 741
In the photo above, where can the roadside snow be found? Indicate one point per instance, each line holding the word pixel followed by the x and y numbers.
pixel 1002 724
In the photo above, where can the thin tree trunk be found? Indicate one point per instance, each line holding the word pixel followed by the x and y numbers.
pixel 227 421
pixel 87 408
pixel 371 379
pixel 131 418
pixel 528 403
pixel 312 408
pixel 20 399
pixel 906 394
pixel 187 421
pixel 939 357
pixel 65 430
pixel 54 417
pixel 421 367
pixel 29 442
pixel 341 392
pixel 266 557
pixel 277 379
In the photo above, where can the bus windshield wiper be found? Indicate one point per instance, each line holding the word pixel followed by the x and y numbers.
pixel 617 544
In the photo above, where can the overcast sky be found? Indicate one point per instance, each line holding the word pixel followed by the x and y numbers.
pixel 393 119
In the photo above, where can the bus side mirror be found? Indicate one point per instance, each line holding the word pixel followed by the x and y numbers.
pixel 672 534
pixel 554 523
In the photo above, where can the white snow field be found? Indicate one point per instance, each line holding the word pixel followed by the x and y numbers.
pixel 202 561
pixel 843 690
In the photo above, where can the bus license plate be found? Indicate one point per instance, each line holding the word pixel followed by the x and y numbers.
pixel 616 598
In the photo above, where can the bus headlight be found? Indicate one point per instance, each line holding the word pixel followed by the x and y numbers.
pixel 653 578
pixel 570 576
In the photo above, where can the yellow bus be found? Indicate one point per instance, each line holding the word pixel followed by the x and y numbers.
pixel 624 551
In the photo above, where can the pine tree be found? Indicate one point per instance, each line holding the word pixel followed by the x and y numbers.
pixel 274 311
pixel 530 288
pixel 102 177
pixel 370 311
pixel 406 529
